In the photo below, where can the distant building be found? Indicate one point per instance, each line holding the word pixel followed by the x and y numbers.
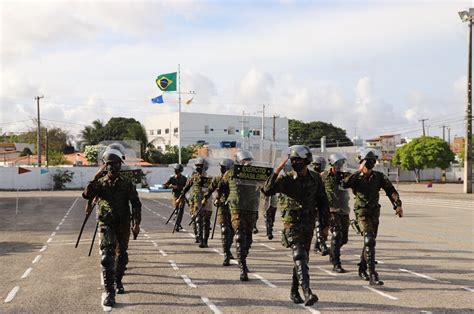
pixel 458 145
pixel 10 153
pixel 387 144
pixel 216 131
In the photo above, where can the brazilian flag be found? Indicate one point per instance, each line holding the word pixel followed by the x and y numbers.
pixel 167 82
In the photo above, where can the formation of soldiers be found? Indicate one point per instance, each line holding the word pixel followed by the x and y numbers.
pixel 312 201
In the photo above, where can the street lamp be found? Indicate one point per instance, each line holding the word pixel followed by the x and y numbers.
pixel 467 16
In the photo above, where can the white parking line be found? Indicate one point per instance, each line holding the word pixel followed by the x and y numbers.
pixel 211 305
pixel 191 235
pixel 43 248
pixel 173 264
pixel 468 289
pixel 37 259
pixel 309 309
pixel 12 294
pixel 417 274
pixel 188 281
pixel 163 252
pixel 49 240
pixel 218 252
pixel 26 273
pixel 381 293
pixel 268 283
pixel 267 246
pixel 52 234
pixel 154 243
pixel 57 228
pixel 326 271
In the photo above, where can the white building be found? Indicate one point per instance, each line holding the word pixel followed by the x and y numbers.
pixel 217 130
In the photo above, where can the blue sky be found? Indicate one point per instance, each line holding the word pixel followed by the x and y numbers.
pixel 370 67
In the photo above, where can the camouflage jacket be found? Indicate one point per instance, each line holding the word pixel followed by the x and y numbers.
pixel 240 195
pixel 179 182
pixel 113 200
pixel 302 199
pixel 213 187
pixel 366 190
pixel 338 197
pixel 198 185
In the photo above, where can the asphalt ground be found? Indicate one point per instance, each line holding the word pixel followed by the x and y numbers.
pixel 426 260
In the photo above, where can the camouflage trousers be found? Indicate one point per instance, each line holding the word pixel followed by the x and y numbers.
pixel 368 223
pixel 340 221
pixel 223 216
pixel 299 233
pixel 115 238
pixel 243 221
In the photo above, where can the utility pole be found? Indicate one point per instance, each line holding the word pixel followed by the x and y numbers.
pixel 468 137
pixel 38 135
pixel 262 139
pixel 443 126
pixel 47 146
pixel 423 125
pixel 449 136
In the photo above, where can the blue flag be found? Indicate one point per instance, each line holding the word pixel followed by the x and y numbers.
pixel 43 171
pixel 157 100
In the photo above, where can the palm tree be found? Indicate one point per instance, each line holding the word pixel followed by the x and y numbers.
pixel 92 135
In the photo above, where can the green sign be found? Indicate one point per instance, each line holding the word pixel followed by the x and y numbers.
pixel 252 172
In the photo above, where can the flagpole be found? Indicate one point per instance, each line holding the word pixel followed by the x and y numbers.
pixel 179 114
pixel 16 183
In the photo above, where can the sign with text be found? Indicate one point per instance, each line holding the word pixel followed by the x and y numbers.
pixel 252 172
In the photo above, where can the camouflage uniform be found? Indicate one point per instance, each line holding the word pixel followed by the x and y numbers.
pixel 367 210
pixel 302 200
pixel 338 199
pixel 178 182
pixel 243 198
pixel 114 218
pixel 270 211
pixel 198 184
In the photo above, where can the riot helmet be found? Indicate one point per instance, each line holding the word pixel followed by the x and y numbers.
pixel 226 164
pixel 337 160
pixel 301 151
pixel 201 164
pixel 244 156
pixel 112 155
pixel 178 168
pixel 319 163
pixel 119 147
pixel 370 155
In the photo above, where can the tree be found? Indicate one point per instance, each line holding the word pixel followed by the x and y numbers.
pixel 171 155
pixel 310 134
pixel 92 153
pixel 92 134
pixel 424 152
pixel 461 154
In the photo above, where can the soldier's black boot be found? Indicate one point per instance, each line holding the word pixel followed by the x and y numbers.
pixel 226 242
pixel 179 218
pixel 369 242
pixel 108 273
pixel 120 263
pixel 295 294
pixel 196 234
pixel 241 244
pixel 303 278
pixel 206 227
pixel 335 252
pixel 363 266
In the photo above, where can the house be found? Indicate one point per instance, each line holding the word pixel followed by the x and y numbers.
pixel 387 144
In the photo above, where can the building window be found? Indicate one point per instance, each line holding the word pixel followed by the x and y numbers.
pixel 158 132
pixel 175 130
pixel 256 132
pixel 152 132
pixel 167 131
pixel 206 129
pixel 212 130
pixel 231 130
pixel 225 130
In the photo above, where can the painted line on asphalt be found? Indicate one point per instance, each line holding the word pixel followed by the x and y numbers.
pixel 427 312
pixel 27 273
pixel 154 243
pixel 218 252
pixel 49 240
pixel 188 281
pixel 381 293
pixel 417 274
pixel 268 283
pixel 267 246
pixel 173 264
pixel 43 248
pixel 468 289
pixel 12 294
pixel 52 234
pixel 233 261
pixel 37 259
pixel 309 309
pixel 326 271
pixel 163 252
pixel 211 305
pixel 191 235
pixel 57 228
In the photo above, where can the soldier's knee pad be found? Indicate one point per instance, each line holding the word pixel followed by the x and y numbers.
pixel 225 230
pixel 107 259
pixel 299 252
pixel 337 234
pixel 369 240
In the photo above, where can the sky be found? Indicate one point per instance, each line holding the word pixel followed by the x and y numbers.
pixel 369 67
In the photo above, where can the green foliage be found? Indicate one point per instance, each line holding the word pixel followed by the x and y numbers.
pixel 55 158
pixel 92 152
pixel 26 152
pixel 424 152
pixel 61 177
pixel 461 154
pixel 57 138
pixel 171 155
pixel 310 134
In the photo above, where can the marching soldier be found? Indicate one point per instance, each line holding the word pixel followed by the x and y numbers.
pixel 223 212
pixel 243 200
pixel 319 164
pixel 198 183
pixel 177 183
pixel 114 192
pixel 339 210
pixel 303 197
pixel 366 184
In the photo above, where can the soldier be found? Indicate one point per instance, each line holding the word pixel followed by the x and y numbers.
pixel 114 191
pixel 177 183
pixel 366 184
pixel 339 210
pixel 319 164
pixel 243 199
pixel 304 197
pixel 270 211
pixel 223 212
pixel 198 183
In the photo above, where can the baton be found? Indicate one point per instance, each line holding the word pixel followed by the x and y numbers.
pixel 215 221
pixel 85 221
pixel 93 238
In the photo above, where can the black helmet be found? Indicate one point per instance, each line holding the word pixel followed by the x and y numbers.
pixel 112 155
pixel 178 167
pixel 368 153
pixel 227 163
pixel 301 151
